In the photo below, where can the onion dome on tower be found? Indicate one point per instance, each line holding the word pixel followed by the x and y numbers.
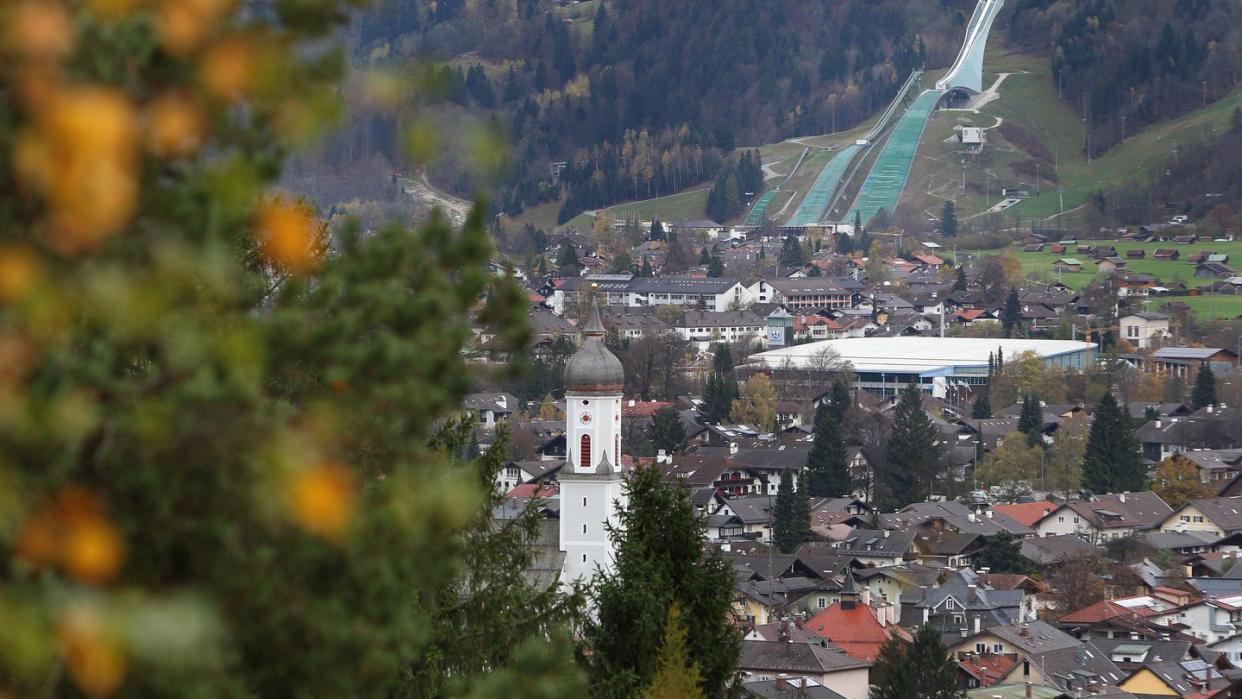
pixel 594 369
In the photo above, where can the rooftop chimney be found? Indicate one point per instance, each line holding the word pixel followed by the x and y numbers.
pixel 1028 693
pixel 732 448
pixel 970 516
pixel 782 683
pixel 1122 497
pixel 1158 423
pixel 1024 631
pixel 989 513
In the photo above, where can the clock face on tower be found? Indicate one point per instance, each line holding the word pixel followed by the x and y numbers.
pixel 585 418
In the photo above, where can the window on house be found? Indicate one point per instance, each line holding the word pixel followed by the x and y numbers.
pixel 584 502
pixel 958 619
pixel 822 602
pixel 585 453
pixel 981 648
pixel 1061 520
pixel 950 604
pixel 584 529
pixel 998 648
pixel 584 558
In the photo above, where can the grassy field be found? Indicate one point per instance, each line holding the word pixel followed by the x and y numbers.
pixel 1039 265
pixel 1216 306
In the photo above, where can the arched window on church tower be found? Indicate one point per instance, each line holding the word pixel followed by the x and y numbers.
pixel 585 453
pixel 616 453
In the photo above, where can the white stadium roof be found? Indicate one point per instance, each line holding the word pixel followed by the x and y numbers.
pixel 922 355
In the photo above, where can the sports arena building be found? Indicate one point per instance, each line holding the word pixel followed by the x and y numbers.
pixel 940 364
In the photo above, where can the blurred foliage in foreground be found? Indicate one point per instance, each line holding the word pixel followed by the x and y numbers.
pixel 222 467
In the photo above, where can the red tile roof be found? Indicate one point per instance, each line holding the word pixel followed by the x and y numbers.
pixel 1008 581
pixel 856 631
pixel 1028 513
pixel 988 669
pixel 533 490
pixel 1103 611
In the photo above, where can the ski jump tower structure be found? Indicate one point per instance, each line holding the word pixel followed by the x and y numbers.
pixel 966 73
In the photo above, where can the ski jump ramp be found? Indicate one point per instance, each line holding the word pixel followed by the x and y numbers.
pixel 967 71
pixel 884 185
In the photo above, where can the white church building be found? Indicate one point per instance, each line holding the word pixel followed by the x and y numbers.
pixel 591 484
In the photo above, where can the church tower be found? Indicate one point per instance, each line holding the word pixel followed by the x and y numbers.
pixel 591 483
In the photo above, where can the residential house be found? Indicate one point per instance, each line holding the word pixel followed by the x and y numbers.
pixel 1067 264
pixel 964 603
pixel 1145 329
pixel 1214 427
pixel 1123 616
pixel 1188 679
pixel 877 547
pixel 1106 517
pixel 953 516
pixel 854 625
pixel 490 409
pixel 1027 513
pixel 1051 550
pixel 1219 516
pixel 1110 265
pixel 1166 254
pixel 1044 655
pixel 763 661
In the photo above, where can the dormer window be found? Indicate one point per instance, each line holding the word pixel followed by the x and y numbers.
pixel 950 603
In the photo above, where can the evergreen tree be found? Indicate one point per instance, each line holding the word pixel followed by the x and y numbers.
pixel 660 561
pixel 914 458
pixel 948 219
pixel 721 388
pixel 891 677
pixel 802 511
pixel 839 401
pixel 676 677
pixel 959 282
pixel 1204 392
pixel 1031 421
pixel 827 464
pixel 791 253
pixel 657 232
pixel 667 432
pixel 858 227
pixel 932 673
pixel 1112 462
pixel 567 256
pixel 982 409
pixel 845 243
pixel 785 528
pixel 1011 316
pixel 646 270
pixel 715 267
pixel 1001 554
pixel 225 475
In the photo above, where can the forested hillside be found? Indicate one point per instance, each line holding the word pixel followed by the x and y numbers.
pixel 639 97
pixel 1130 63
